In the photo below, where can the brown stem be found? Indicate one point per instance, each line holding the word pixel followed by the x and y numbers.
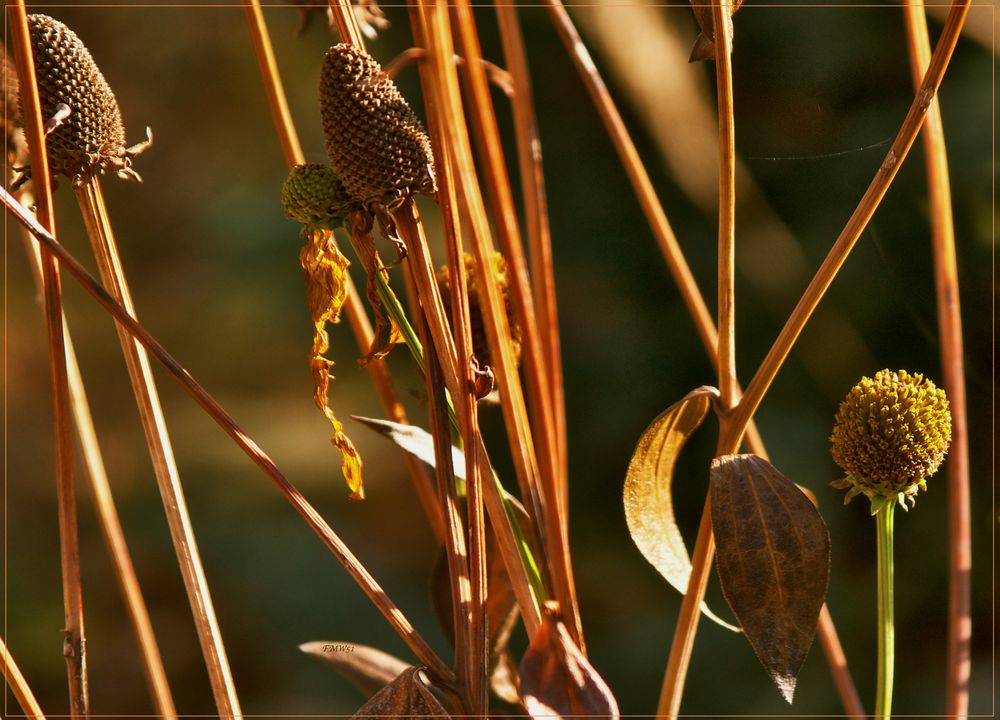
pixel 18 685
pixel 357 318
pixel 539 394
pixel 958 660
pixel 214 410
pixel 347 24
pixel 107 515
pixel 838 665
pixel 529 153
pixel 855 226
pixel 140 372
pixel 642 186
pixel 74 642
pixel 732 431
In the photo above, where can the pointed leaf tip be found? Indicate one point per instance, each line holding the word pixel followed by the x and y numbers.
pixel 773 561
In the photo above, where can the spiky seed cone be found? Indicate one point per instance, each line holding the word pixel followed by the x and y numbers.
pixel 92 138
pixel 314 196
pixel 375 142
pixel 477 323
pixel 890 434
pixel 9 109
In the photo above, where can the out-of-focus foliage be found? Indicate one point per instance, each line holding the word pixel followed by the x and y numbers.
pixel 215 277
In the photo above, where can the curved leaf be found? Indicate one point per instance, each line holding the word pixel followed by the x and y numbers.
pixel 773 553
pixel 649 505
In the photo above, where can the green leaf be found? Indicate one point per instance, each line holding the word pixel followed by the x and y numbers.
pixel 649 504
pixel 773 553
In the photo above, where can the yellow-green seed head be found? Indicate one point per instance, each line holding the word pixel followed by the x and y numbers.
pixel 314 195
pixel 891 433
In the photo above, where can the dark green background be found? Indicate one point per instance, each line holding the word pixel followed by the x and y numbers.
pixel 214 271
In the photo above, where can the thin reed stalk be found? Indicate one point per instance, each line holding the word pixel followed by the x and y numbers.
pixel 210 405
pixel 643 188
pixel 477 657
pixel 347 24
pixel 154 426
pixel 18 685
pixel 732 432
pixel 837 661
pixel 529 153
pixel 538 395
pixel 74 642
pixel 356 316
pixel 107 515
pixel 958 660
pixel 411 232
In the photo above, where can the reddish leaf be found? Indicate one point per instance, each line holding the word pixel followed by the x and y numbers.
pixel 773 561
pixel 406 696
pixel 556 678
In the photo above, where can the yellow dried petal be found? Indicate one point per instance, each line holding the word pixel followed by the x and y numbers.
pixel 326 276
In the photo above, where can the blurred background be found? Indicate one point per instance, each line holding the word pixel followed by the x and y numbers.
pixel 820 92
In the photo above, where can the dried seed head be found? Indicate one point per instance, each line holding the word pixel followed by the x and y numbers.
pixel 374 140
pixel 480 345
pixel 314 195
pixel 10 108
pixel 891 433
pixel 92 138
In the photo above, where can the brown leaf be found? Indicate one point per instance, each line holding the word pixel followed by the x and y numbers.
pixel 367 668
pixel 556 678
pixel 773 561
pixel 649 504
pixel 406 696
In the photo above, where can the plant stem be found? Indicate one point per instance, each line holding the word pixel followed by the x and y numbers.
pixel 168 479
pixel 15 680
pixel 211 406
pixel 958 661
pixel 74 647
pixel 886 629
pixel 107 514
pixel 356 317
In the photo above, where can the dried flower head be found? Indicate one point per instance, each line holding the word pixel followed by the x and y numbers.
pixel 314 195
pixel 480 346
pixel 9 108
pixel 375 142
pixel 891 433
pixel 92 138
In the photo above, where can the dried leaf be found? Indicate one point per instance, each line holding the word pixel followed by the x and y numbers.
pixel 773 561
pixel 649 505
pixel 386 334
pixel 414 440
pixel 367 668
pixel 406 696
pixel 325 269
pixel 704 46
pixel 556 678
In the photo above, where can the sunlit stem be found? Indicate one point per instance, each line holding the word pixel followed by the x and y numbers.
pixel 395 310
pixel 887 631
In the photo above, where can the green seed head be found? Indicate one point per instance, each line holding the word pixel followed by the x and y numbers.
pixel 891 433
pixel 314 195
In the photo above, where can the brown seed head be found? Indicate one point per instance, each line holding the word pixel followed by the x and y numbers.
pixel 375 142
pixel 10 109
pixel 480 345
pixel 92 138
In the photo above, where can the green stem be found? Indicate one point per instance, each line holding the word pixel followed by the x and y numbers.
pixel 395 309
pixel 887 631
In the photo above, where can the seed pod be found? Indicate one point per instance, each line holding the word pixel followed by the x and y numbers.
pixel 92 138
pixel 9 108
pixel 314 195
pixel 477 323
pixel 375 142
pixel 891 433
